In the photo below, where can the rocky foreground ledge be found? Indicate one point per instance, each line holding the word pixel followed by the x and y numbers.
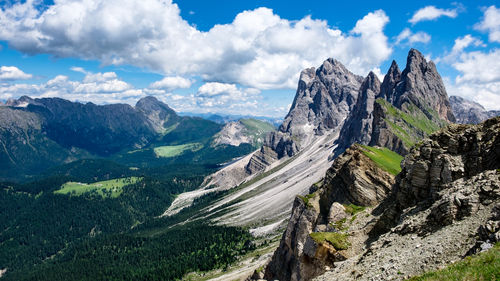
pixel 362 223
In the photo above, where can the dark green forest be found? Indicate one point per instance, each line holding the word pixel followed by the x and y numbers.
pixel 47 236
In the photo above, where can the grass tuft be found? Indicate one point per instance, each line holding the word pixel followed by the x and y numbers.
pixel 353 209
pixel 337 240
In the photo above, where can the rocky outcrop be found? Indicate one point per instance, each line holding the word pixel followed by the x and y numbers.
pixel 353 179
pixel 323 100
pixel 469 112
pixel 447 159
pixel 443 205
pixel 422 86
pixel 248 130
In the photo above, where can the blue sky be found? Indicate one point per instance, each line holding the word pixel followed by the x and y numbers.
pixel 235 57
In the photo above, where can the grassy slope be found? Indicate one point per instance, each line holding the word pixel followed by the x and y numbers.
pixel 110 188
pixel 411 125
pixel 384 158
pixel 484 266
pixel 176 150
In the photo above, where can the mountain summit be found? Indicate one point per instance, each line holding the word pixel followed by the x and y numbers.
pixel 404 108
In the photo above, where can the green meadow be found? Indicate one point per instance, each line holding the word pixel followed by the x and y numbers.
pixel 176 150
pixel 110 188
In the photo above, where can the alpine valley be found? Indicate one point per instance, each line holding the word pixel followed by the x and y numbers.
pixel 363 180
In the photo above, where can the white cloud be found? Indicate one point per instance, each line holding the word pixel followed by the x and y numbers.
pixel 411 38
pixel 78 69
pixel 479 78
pixel 461 43
pixel 479 67
pixel 171 83
pixel 11 73
pixel 103 88
pixel 95 87
pixel 432 13
pixel 258 49
pixel 491 23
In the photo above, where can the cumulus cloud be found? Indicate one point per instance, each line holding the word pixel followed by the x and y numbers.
pixel 408 36
pixel 11 73
pixel 490 23
pixel 95 87
pixel 258 49
pixel 432 13
pixel 479 78
pixel 107 87
pixel 171 83
pixel 461 43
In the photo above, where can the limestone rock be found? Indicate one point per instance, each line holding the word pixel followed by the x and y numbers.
pixel 336 213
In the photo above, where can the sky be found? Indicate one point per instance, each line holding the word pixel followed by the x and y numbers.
pixel 235 57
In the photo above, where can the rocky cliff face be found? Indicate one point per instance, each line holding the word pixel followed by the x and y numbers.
pixel 469 112
pixel 358 127
pixel 353 179
pixel 404 108
pixel 442 206
pixel 324 98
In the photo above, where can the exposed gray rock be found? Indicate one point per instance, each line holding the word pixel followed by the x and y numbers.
pixel 403 109
pixel 233 133
pixel 336 213
pixel 353 178
pixel 358 127
pixel 410 105
pixel 287 262
pixel 445 204
pixel 421 85
pixel 469 112
pixel 323 100
pixel 388 87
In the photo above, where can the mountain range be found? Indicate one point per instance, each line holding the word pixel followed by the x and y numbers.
pixel 37 134
pixel 363 180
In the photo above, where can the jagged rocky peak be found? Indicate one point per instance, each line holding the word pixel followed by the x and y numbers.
pixel 358 126
pixel 324 98
pixel 422 85
pixel 469 112
pixel 388 87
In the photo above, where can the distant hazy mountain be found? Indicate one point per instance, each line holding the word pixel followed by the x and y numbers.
pixel 469 112
pixel 225 118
